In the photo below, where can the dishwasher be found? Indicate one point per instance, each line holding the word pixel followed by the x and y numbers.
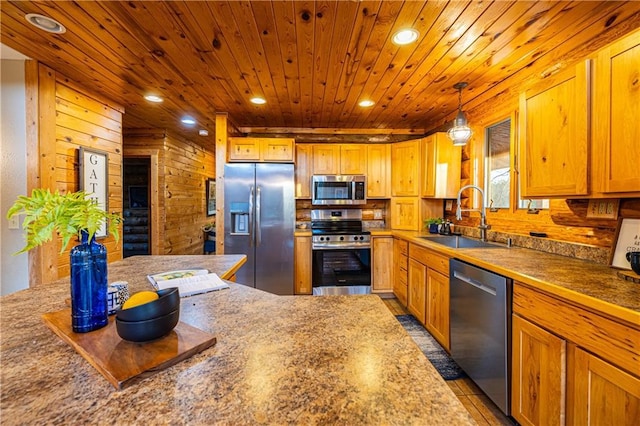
pixel 481 328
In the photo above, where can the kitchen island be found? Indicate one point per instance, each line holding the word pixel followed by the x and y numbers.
pixel 277 360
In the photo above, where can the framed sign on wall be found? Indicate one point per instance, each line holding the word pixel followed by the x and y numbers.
pixel 211 197
pixel 627 239
pixel 94 180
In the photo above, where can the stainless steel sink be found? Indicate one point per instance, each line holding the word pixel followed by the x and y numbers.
pixel 455 241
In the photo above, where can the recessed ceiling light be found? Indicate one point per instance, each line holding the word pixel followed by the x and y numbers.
pixel 153 98
pixel 45 23
pixel 258 100
pixel 190 121
pixel 203 132
pixel 405 36
pixel 366 103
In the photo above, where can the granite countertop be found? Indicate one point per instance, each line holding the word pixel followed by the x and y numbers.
pixel 277 360
pixel 589 284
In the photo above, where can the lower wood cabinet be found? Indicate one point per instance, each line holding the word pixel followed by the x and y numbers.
pixel 302 265
pixel 603 393
pixel 571 365
pixel 417 289
pixel 537 375
pixel 400 265
pixel 437 309
pixel 382 264
pixel 429 291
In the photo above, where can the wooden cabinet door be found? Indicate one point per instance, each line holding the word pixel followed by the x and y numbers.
pixel 554 136
pixel 417 274
pixel 405 213
pixel 400 264
pixel 616 127
pixel 440 167
pixel 277 149
pixel 378 170
pixel 437 307
pixel 244 149
pixel 382 265
pixel 303 170
pixel 603 394
pixel 538 375
pixel 405 168
pixel 302 265
pixel 353 159
pixel 326 159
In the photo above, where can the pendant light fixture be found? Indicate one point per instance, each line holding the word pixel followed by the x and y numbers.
pixel 460 132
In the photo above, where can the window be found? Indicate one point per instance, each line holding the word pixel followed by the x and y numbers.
pixel 498 164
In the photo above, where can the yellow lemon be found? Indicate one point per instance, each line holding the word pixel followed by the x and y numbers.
pixel 140 298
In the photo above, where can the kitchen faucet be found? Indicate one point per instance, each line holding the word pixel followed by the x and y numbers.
pixel 483 225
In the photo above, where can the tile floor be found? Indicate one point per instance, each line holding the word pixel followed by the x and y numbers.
pixel 481 408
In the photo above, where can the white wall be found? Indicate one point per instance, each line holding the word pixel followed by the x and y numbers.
pixel 14 270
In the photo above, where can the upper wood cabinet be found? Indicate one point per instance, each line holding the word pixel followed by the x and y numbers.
pixel 616 128
pixel 405 168
pixel 378 170
pixel 261 150
pixel 440 167
pixel 554 136
pixel 405 213
pixel 326 159
pixel 303 170
pixel 353 159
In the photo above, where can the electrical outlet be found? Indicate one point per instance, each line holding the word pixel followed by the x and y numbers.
pixel 377 214
pixel 603 209
pixel 14 222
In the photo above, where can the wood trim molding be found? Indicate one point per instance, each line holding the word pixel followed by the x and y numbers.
pixel 222 120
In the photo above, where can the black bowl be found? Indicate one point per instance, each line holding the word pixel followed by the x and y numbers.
pixel 143 331
pixel 168 301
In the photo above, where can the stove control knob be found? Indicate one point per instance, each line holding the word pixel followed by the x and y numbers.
pixel 361 238
pixel 321 238
pixel 355 238
pixel 327 239
pixel 341 238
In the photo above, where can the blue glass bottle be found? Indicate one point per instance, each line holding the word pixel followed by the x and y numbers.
pixel 88 285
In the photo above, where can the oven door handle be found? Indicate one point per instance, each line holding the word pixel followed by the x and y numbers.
pixel 329 246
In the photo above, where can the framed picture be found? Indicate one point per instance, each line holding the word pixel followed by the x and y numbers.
pixel 211 197
pixel 627 239
pixel 138 197
pixel 94 171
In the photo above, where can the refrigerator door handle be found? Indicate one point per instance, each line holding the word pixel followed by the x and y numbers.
pixel 251 229
pixel 258 213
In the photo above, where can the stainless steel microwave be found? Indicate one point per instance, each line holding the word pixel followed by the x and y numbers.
pixel 338 189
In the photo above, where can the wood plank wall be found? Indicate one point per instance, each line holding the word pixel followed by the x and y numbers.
pixel 81 119
pixel 184 168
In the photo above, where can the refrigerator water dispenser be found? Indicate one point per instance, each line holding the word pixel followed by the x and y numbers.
pixel 240 218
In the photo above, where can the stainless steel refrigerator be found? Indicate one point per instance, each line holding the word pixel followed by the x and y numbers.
pixel 259 220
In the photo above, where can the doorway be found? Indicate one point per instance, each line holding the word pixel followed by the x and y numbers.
pixel 136 206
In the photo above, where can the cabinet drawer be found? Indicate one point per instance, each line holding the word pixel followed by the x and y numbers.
pixel 615 342
pixel 402 246
pixel 430 258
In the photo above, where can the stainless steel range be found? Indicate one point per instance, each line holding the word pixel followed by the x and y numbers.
pixel 341 253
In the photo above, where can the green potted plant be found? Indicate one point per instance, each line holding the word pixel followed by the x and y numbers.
pixel 71 215
pixel 432 224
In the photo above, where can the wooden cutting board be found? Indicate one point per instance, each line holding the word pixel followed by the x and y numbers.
pixel 121 362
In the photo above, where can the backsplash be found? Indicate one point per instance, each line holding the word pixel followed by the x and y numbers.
pixel 373 213
pixel 594 254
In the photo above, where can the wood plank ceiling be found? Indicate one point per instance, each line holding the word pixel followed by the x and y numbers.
pixel 313 61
